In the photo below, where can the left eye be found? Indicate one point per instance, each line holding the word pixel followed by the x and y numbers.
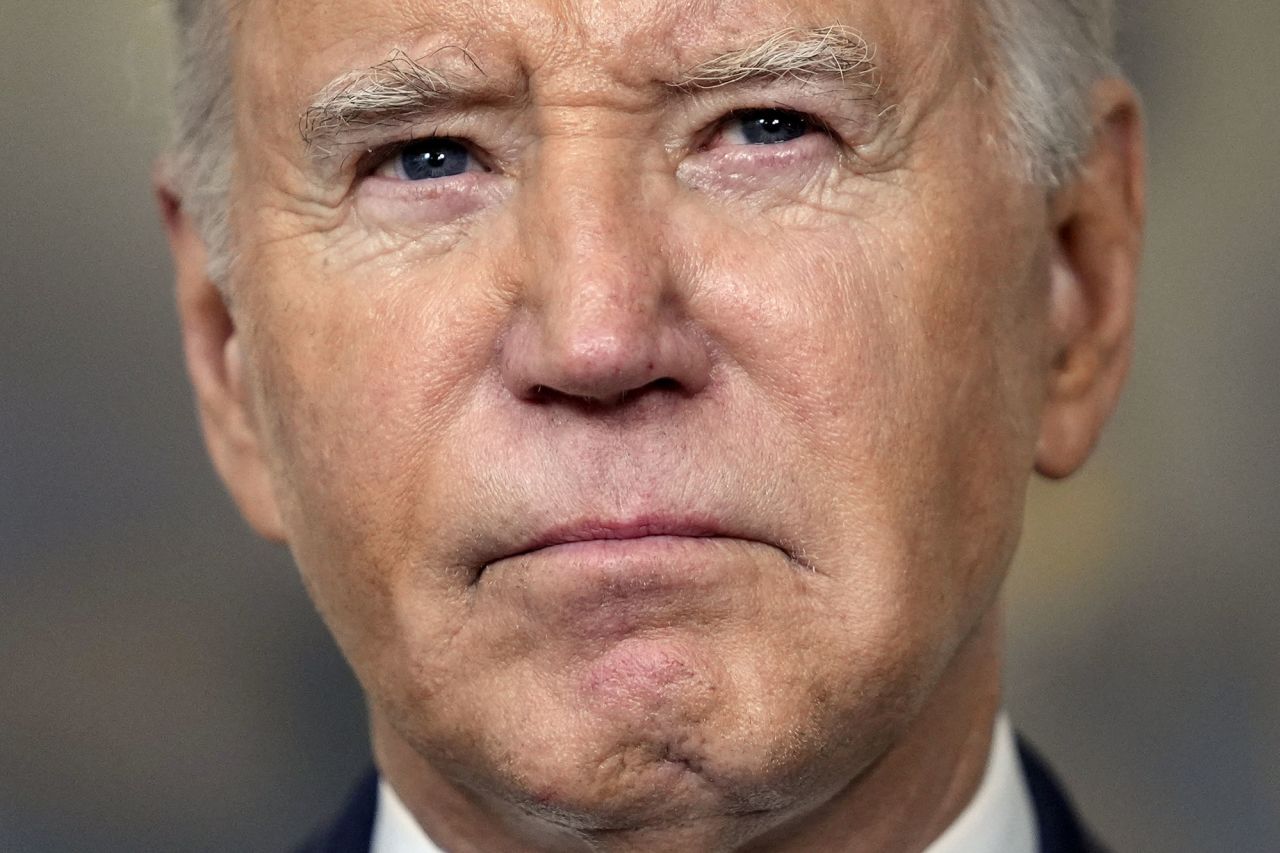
pixel 429 159
pixel 765 127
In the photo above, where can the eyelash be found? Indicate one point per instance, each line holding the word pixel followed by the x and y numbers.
pixel 376 158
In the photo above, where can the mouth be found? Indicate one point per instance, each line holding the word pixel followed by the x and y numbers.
pixel 617 536
pixel 618 531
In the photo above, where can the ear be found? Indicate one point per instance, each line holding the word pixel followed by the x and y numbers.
pixel 1098 221
pixel 216 366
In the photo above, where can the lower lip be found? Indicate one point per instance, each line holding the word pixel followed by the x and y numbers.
pixel 612 587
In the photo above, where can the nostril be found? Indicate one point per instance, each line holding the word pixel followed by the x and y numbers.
pixel 664 383
pixel 548 393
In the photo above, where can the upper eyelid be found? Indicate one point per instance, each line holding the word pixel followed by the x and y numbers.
pixel 844 109
pixel 809 118
pixel 852 117
pixel 395 146
pixel 376 156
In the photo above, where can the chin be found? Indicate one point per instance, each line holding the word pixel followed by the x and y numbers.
pixel 636 786
pixel 649 738
pixel 716 698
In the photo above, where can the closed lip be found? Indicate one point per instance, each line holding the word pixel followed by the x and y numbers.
pixel 599 530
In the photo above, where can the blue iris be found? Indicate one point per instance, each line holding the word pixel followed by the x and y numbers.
pixel 770 127
pixel 436 157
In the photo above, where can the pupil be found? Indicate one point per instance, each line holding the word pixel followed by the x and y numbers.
pixel 434 158
pixel 769 127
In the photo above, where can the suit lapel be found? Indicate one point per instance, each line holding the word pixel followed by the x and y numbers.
pixel 1060 830
pixel 352 831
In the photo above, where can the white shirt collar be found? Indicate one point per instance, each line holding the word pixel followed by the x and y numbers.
pixel 394 829
pixel 999 818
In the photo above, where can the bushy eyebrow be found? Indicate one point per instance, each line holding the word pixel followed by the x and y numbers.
pixel 396 91
pixel 794 52
pixel 402 90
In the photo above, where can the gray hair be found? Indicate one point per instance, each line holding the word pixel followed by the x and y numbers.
pixel 1048 53
pixel 198 167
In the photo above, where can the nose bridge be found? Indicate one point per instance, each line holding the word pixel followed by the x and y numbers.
pixel 601 315
pixel 595 242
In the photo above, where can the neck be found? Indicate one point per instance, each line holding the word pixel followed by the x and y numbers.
pixel 901 802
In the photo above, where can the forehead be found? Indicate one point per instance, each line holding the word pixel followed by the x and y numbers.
pixel 621 40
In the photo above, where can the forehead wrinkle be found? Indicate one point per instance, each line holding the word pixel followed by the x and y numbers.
pixel 403 90
pixel 605 44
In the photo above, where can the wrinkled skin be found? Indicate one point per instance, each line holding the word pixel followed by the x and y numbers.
pixel 846 353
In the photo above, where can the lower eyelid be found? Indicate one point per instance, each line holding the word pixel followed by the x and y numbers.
pixel 392 201
pixel 759 167
pixel 778 155
pixel 426 189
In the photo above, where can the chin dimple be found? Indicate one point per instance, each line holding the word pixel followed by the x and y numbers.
pixel 677 754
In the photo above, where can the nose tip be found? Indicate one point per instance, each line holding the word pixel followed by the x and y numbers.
pixel 604 357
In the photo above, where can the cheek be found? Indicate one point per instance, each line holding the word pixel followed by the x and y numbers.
pixel 893 358
pixel 362 385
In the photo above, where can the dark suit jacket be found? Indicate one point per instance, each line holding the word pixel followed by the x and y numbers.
pixel 1059 829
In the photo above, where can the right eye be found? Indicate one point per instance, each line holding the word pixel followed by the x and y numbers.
pixel 429 159
pixel 765 127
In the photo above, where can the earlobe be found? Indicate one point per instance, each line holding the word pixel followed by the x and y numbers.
pixel 1098 221
pixel 217 369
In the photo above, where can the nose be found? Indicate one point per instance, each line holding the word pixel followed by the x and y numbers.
pixel 604 316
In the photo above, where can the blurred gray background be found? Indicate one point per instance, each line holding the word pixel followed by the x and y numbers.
pixel 164 684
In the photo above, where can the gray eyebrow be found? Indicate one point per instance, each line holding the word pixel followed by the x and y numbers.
pixel 396 91
pixel 400 90
pixel 835 51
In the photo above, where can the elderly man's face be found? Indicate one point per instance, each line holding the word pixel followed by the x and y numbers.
pixel 652 434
